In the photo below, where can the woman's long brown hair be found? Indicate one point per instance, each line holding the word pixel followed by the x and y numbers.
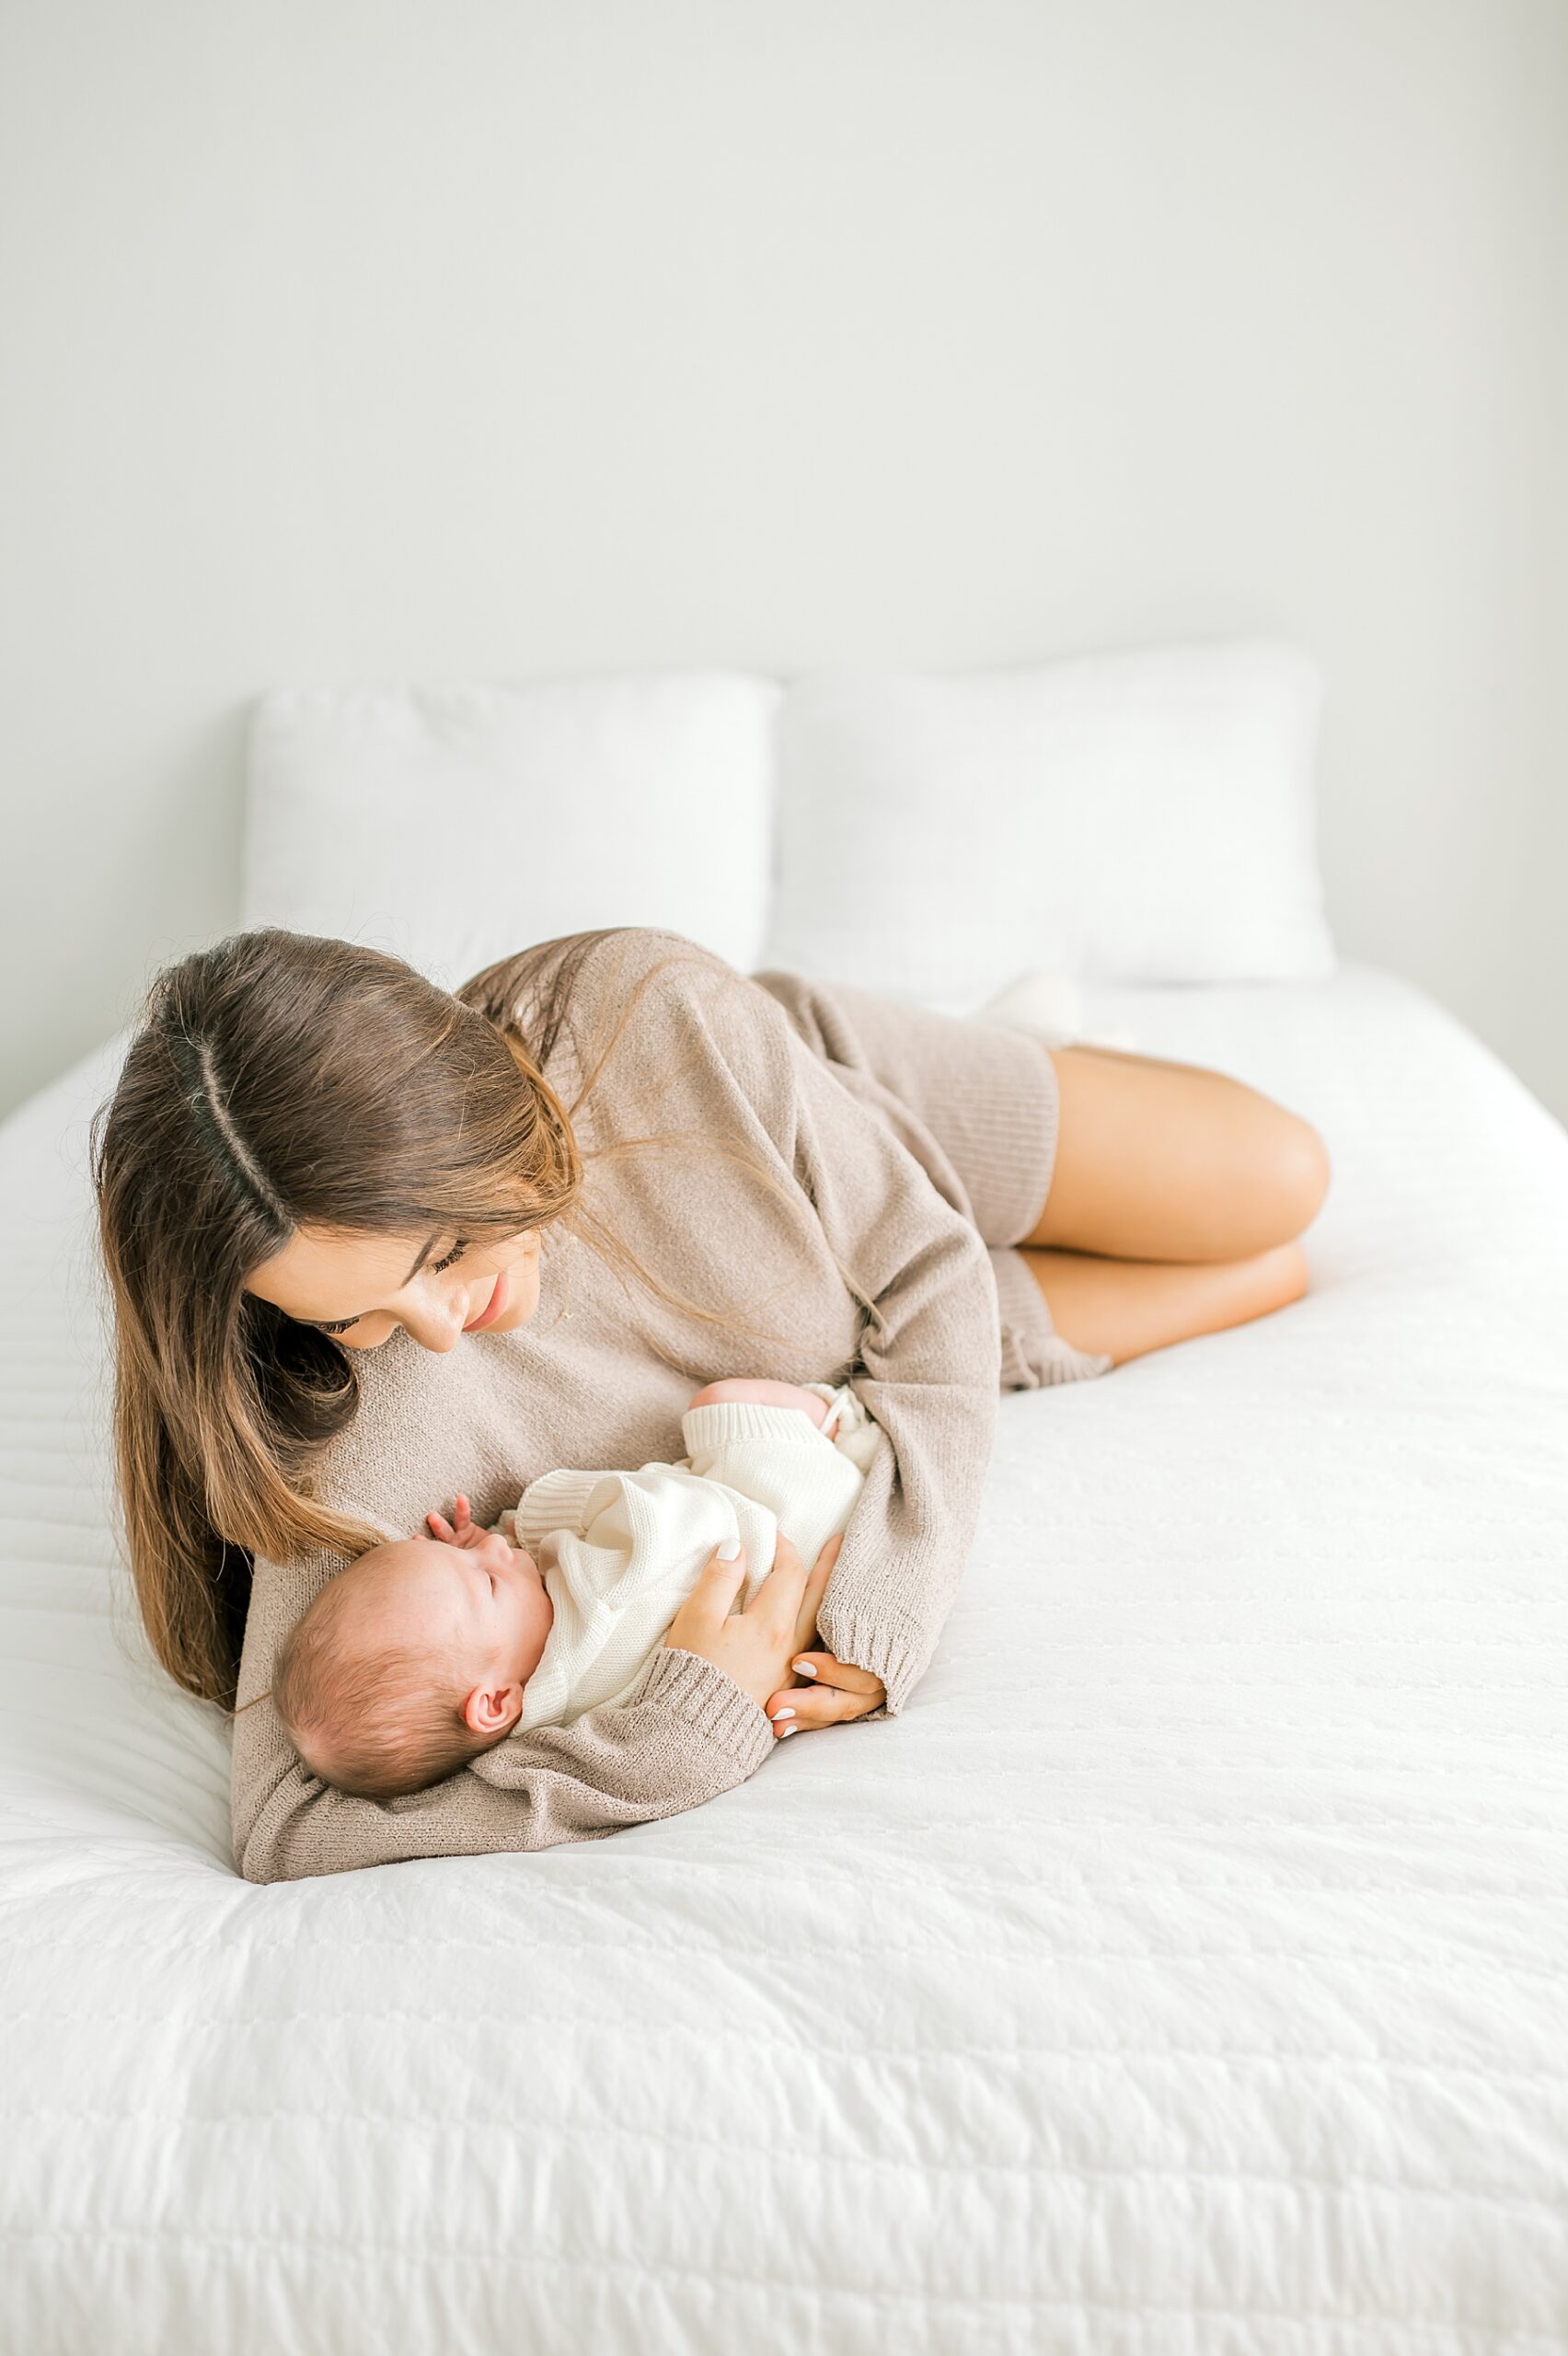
pixel 281 1081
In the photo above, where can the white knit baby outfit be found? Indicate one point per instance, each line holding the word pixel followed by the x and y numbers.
pixel 620 1552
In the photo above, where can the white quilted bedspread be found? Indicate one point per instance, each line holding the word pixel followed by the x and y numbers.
pixel 1183 1972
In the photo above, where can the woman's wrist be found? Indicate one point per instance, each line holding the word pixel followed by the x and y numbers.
pixel 707 1697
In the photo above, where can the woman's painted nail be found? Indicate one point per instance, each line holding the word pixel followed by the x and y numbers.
pixel 730 1551
pixel 782 1713
pixel 804 1667
pixel 788 1732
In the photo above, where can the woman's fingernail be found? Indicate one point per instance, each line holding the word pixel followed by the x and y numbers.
pixel 729 1550
pixel 782 1713
pixel 805 1668
pixel 788 1732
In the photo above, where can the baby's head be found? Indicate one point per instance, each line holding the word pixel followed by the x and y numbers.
pixel 412 1662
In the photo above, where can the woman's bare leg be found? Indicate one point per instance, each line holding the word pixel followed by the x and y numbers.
pixel 1129 1307
pixel 1167 1161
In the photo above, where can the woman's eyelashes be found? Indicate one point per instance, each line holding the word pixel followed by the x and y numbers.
pixel 341 1324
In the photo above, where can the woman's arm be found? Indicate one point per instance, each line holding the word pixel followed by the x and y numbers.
pixel 930 1375
pixel 686 1732
pixel 930 1368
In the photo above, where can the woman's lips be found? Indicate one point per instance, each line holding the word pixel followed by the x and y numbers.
pixel 495 1308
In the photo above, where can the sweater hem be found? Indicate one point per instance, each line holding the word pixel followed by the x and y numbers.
pixel 1035 1356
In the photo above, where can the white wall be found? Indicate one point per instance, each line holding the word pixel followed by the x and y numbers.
pixel 445 338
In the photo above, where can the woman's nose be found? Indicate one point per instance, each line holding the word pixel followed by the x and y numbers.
pixel 437 1326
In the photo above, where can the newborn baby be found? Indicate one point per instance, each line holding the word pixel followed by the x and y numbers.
pixel 427 1651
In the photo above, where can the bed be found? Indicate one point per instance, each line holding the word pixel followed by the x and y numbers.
pixel 1180 1975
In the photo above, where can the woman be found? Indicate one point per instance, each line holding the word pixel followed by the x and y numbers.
pixel 332 1198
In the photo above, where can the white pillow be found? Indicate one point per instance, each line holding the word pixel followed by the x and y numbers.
pixel 1141 818
pixel 454 824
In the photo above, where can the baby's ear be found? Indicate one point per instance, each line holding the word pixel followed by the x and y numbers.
pixel 487 1709
pixel 491 1709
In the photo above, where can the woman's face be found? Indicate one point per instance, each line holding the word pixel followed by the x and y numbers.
pixel 358 1287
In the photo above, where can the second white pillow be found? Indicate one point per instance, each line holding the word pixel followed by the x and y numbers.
pixel 1144 817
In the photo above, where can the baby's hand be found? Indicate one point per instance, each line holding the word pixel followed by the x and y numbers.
pixel 462 1530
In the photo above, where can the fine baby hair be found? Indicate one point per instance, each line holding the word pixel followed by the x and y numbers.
pixel 372 1702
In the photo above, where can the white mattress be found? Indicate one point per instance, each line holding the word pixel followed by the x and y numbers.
pixel 1182 1973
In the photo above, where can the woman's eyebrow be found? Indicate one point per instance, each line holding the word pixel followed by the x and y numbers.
pixel 424 1255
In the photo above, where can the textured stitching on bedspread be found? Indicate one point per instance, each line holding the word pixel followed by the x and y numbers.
pixel 682 1950
pixel 966 2301
pixel 361 2117
pixel 753 2039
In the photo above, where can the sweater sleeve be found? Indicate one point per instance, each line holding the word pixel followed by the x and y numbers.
pixel 930 1366
pixel 682 1734
pixel 929 1374
pixel 559 1500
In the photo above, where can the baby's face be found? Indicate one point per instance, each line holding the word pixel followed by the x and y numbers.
pixel 484 1608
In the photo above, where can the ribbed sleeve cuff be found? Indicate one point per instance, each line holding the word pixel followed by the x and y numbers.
pixel 555 1501
pixel 891 1648
pixel 709 1700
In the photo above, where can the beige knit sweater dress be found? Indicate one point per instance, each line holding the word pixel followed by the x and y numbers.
pixel 863 1109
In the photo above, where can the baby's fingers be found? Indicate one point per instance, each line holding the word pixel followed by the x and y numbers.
pixel 459 1531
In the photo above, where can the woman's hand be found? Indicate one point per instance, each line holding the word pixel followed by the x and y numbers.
pixel 826 1692
pixel 756 1647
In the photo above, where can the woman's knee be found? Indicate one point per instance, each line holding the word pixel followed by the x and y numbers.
pixel 1299 1174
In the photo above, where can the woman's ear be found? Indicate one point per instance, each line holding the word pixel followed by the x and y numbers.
pixel 491 1709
